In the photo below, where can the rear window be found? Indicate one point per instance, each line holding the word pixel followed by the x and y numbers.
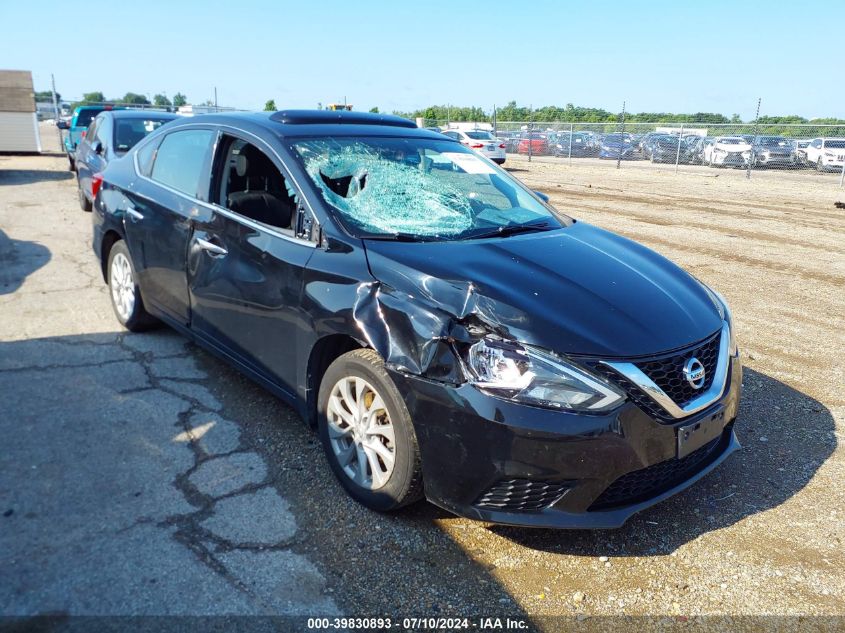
pixel 480 136
pixel 84 117
pixel 128 132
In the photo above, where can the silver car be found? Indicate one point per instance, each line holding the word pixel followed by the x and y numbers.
pixel 481 142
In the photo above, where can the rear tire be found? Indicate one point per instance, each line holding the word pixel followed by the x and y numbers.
pixel 84 203
pixel 124 292
pixel 367 432
pixel 71 164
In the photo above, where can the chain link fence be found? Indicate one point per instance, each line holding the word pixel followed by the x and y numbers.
pixel 681 145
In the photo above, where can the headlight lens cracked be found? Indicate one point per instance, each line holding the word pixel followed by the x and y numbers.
pixel 532 376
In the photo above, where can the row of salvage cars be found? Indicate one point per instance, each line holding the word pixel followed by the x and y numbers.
pixel 824 154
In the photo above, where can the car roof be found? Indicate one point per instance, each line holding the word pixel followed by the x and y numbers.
pixel 297 123
pixel 140 114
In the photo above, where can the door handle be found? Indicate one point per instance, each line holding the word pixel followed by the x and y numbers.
pixel 212 248
pixel 133 213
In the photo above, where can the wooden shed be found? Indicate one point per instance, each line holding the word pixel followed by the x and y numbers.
pixel 18 119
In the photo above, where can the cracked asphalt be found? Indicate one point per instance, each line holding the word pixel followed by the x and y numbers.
pixel 139 475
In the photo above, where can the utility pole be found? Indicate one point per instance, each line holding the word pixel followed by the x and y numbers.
pixel 215 97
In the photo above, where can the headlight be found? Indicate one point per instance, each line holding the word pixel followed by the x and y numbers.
pixel 532 376
pixel 719 150
pixel 725 312
pixel 829 154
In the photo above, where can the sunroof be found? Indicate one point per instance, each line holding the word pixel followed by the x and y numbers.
pixel 306 117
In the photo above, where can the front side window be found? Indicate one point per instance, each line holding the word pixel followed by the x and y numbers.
pixel 252 186
pixel 419 188
pixel 181 160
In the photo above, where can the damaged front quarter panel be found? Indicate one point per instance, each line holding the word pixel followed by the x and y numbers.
pixel 417 325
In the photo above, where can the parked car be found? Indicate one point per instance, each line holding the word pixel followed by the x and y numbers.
pixel 801 150
pixel 82 117
pixel 511 141
pixel 480 141
pixel 695 149
pixel 826 153
pixel 668 148
pixel 727 151
pixel 773 151
pixel 538 143
pixel 447 332
pixel 616 146
pixel 580 144
pixel 110 135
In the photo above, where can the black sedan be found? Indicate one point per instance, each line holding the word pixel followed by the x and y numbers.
pixel 111 134
pixel 448 333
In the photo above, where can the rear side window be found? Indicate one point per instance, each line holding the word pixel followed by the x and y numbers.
pixel 146 156
pixel 181 160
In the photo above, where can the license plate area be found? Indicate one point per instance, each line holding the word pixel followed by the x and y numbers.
pixel 694 435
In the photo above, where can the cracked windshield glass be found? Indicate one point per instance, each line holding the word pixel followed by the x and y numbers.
pixel 419 189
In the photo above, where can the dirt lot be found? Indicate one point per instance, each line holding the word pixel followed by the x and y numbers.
pixel 763 535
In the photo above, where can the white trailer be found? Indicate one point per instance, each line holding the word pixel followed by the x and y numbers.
pixel 18 118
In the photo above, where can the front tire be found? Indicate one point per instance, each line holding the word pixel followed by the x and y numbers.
pixel 367 432
pixel 819 164
pixel 125 295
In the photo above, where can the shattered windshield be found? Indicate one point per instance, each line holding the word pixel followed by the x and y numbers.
pixel 417 188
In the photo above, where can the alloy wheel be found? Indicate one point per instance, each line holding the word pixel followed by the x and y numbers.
pixel 122 286
pixel 361 433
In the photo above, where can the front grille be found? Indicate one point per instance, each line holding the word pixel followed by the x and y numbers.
pixel 522 494
pixel 667 372
pixel 641 485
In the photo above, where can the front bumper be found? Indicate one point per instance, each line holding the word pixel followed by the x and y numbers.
pixel 733 159
pixel 473 445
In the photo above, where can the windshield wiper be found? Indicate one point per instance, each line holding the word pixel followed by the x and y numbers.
pixel 509 229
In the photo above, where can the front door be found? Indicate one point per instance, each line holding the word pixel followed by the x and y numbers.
pixel 245 264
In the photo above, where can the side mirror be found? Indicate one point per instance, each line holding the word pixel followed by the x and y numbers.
pixel 541 195
pixel 98 147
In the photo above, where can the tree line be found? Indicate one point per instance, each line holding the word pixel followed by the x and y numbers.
pixel 134 98
pixel 577 114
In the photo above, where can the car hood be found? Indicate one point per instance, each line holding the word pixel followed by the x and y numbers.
pixel 576 290
pixel 734 147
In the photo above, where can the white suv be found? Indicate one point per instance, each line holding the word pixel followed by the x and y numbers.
pixel 826 153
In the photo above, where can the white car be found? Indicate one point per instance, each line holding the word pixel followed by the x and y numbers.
pixel 481 142
pixel 826 153
pixel 728 151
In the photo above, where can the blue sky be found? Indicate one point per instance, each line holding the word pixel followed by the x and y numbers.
pixel 675 56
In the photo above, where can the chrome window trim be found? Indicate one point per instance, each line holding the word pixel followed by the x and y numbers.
pixel 701 402
pixel 222 210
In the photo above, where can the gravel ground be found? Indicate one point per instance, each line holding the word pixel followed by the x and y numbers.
pixel 762 535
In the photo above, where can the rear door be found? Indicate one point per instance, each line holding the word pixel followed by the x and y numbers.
pixel 172 189
pixel 246 264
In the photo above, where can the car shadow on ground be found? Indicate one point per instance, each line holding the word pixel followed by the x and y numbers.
pixel 786 437
pixel 18 260
pixel 31 176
